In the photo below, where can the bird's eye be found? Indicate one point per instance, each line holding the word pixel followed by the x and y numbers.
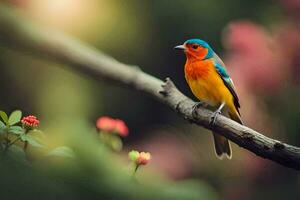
pixel 195 46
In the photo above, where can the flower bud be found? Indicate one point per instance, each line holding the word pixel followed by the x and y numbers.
pixel 140 158
pixel 30 121
pixel 110 125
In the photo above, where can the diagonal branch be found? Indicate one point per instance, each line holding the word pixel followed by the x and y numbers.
pixel 18 33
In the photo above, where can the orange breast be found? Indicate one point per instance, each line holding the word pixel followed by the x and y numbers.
pixel 195 69
pixel 206 84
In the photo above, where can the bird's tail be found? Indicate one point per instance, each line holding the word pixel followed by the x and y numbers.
pixel 222 145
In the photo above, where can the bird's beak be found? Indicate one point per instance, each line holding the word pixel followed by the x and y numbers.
pixel 180 47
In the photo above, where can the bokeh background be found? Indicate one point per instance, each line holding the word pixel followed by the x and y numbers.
pixel 259 41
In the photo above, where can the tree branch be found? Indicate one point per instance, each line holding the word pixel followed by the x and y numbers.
pixel 18 33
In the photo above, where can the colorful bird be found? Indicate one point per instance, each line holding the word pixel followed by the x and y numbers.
pixel 209 81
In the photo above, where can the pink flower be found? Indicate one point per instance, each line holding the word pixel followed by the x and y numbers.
pixel 30 121
pixel 110 125
pixel 140 158
pixel 254 56
pixel 143 158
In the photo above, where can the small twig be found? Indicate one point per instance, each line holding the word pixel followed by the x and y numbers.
pixel 136 168
pixel 134 172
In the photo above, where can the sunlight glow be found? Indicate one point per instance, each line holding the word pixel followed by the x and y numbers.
pixel 73 16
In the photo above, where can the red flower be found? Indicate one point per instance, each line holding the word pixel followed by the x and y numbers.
pixel 30 121
pixel 140 158
pixel 143 158
pixel 111 125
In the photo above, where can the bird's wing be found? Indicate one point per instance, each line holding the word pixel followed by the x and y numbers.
pixel 221 69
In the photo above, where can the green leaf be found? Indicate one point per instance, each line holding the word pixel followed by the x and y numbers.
pixel 2 128
pixel 62 151
pixel 2 125
pixel 32 141
pixel 15 117
pixel 4 116
pixel 17 130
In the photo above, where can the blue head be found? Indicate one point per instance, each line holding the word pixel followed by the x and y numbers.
pixel 196 48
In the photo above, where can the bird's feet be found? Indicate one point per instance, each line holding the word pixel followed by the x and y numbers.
pixel 214 117
pixel 197 105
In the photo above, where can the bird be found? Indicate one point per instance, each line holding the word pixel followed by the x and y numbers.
pixel 210 82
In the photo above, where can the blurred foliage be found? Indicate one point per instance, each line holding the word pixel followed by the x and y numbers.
pixel 259 41
pixel 92 172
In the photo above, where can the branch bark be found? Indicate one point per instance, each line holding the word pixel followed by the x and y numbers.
pixel 21 34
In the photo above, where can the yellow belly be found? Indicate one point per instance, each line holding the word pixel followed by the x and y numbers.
pixel 211 90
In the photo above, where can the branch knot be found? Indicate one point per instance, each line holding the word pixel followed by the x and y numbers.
pixel 167 87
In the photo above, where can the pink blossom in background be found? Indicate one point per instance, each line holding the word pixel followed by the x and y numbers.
pixel 110 125
pixel 254 56
pixel 289 35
